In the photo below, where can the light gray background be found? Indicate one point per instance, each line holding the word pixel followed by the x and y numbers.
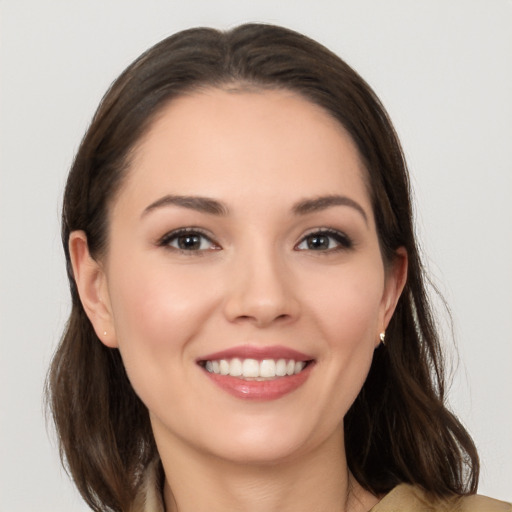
pixel 442 67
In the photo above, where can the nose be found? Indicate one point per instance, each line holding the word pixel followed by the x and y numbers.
pixel 261 291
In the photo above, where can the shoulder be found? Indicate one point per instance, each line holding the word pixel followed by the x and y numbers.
pixel 479 503
pixel 409 498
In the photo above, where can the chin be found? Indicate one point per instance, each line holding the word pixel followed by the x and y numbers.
pixel 261 451
pixel 267 442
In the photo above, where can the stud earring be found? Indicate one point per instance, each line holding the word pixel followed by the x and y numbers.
pixel 104 333
pixel 382 337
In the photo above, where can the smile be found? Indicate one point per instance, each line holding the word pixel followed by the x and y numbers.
pixel 257 373
pixel 254 369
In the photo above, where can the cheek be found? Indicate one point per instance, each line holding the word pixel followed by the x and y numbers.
pixel 157 311
pixel 347 314
pixel 348 306
pixel 155 301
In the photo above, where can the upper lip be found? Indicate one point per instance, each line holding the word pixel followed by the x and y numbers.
pixel 257 352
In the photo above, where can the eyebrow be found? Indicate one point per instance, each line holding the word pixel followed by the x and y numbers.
pixel 323 202
pixel 214 207
pixel 200 204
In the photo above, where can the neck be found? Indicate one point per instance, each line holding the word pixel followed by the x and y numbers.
pixel 317 481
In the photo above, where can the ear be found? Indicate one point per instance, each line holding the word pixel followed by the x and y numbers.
pixel 396 277
pixel 92 287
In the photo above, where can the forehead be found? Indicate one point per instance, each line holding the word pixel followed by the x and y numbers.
pixel 272 142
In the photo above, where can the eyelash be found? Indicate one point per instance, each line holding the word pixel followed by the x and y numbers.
pixel 173 236
pixel 342 241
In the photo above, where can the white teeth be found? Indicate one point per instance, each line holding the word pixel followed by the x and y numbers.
pixel 254 369
pixel 250 368
pixel 268 368
pixel 224 367
pixel 281 368
pixel 235 368
pixel 299 365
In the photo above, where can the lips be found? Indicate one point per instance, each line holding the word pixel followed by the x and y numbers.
pixel 258 352
pixel 254 372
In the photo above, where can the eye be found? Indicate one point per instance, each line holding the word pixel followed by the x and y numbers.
pixel 189 240
pixel 324 240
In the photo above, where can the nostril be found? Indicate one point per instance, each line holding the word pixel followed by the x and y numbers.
pixel 261 306
pixel 263 319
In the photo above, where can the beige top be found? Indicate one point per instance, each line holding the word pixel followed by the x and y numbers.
pixel 409 498
pixel 403 498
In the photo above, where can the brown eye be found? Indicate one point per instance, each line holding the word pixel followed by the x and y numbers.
pixel 188 240
pixel 325 240
pixel 318 242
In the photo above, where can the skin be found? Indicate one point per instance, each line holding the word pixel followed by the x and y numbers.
pixel 254 279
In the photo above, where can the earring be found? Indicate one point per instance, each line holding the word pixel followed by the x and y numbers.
pixel 382 337
pixel 104 333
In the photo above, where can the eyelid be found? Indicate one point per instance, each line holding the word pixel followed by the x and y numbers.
pixel 165 240
pixel 343 241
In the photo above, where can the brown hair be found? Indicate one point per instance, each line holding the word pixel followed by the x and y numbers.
pixel 398 429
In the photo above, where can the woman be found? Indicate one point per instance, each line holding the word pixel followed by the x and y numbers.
pixel 250 328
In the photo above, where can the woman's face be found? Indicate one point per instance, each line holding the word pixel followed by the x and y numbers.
pixel 242 239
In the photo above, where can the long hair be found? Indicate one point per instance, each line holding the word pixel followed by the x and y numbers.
pixel 399 428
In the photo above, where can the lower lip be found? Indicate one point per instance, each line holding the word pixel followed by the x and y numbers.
pixel 260 389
